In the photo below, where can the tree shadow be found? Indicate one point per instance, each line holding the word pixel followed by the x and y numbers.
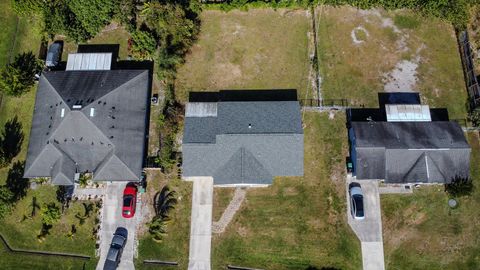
pixel 11 140
pixel 15 181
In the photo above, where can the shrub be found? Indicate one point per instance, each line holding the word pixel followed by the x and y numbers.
pixel 50 214
pixel 460 187
pixel 143 45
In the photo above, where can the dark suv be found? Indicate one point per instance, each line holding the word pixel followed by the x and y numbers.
pixel 116 248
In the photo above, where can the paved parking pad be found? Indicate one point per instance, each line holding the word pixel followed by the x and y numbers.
pixel 369 230
pixel 201 224
pixel 111 220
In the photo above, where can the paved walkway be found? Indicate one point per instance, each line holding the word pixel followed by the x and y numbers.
pixel 229 213
pixel 369 230
pixel 111 220
pixel 201 224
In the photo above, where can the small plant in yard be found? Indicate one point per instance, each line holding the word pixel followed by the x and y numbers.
pixel 163 202
pixel 460 187
pixel 72 232
pixel 6 198
pixel 88 209
pixel 83 180
pixel 474 117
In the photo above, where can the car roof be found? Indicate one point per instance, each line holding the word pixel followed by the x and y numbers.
pixel 122 232
pixel 118 240
pixel 112 253
pixel 110 265
pixel 356 191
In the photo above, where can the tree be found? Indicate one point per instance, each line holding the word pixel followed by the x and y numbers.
pixel 10 141
pixel 27 7
pixel 157 228
pixel 18 76
pixel 163 202
pixel 50 214
pixel 143 45
pixel 93 15
pixel 88 209
pixel 16 183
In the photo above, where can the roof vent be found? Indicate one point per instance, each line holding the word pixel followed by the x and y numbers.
pixel 249 125
pixel 62 113
pixel 92 112
pixel 77 106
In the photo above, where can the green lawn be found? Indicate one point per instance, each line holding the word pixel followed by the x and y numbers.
pixel 420 231
pixel 174 246
pixel 28 33
pixel 359 71
pixel 261 48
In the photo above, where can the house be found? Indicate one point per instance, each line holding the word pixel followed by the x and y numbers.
pixel 89 118
pixel 404 141
pixel 243 138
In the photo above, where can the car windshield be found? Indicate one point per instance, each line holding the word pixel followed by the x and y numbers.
pixel 359 205
pixel 127 201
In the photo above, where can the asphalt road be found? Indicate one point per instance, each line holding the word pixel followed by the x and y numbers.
pixel 201 224
pixel 111 220
pixel 368 230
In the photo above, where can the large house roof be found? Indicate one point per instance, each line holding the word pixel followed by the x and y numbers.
pixel 89 121
pixel 243 142
pixel 409 151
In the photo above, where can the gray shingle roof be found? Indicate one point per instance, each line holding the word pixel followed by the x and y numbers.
pixel 246 143
pixel 111 143
pixel 409 152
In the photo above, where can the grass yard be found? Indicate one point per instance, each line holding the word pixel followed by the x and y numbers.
pixel 298 221
pixel 362 51
pixel 420 231
pixel 174 246
pixel 27 31
pixel 113 34
pixel 258 49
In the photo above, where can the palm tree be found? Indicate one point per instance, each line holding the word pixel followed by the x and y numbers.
pixel 88 208
pixel 163 202
pixel 157 228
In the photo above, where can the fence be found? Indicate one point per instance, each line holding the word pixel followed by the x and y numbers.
pixel 330 103
pixel 41 253
pixel 471 80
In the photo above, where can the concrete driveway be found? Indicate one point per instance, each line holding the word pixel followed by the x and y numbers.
pixel 111 220
pixel 201 224
pixel 368 230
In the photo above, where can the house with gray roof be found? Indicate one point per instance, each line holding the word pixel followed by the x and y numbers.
pixel 243 137
pixel 404 141
pixel 89 120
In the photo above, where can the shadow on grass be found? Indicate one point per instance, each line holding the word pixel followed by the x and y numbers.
pixel 11 140
pixel 15 181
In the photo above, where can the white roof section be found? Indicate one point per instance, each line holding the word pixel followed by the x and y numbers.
pixel 407 113
pixel 89 61
pixel 201 109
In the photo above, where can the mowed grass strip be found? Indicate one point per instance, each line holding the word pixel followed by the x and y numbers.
pixel 298 221
pixel 258 49
pixel 358 71
pixel 420 231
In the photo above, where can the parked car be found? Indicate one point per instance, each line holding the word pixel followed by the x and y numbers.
pixel 116 249
pixel 129 200
pixel 356 200
pixel 54 54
